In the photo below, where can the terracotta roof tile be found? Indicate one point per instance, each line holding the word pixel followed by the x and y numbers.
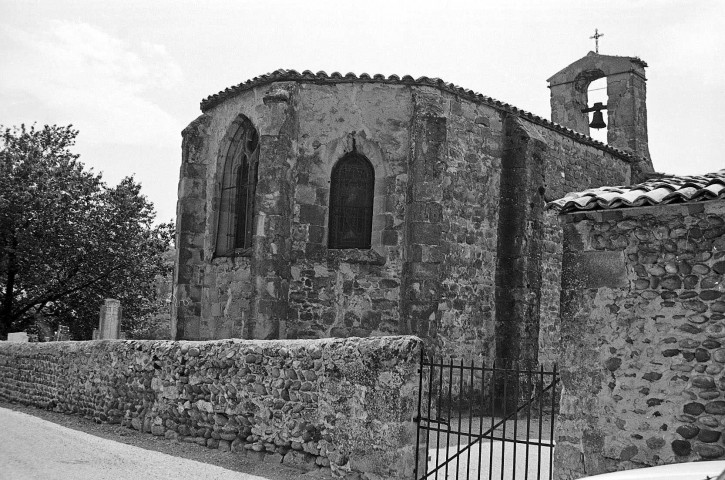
pixel 658 190
pixel 321 77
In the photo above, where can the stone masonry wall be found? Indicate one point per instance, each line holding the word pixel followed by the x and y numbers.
pixel 431 266
pixel 458 251
pixel 539 165
pixel 469 189
pixel 568 166
pixel 642 338
pixel 348 292
pixel 550 303
pixel 190 226
pixel 346 404
pixel 430 269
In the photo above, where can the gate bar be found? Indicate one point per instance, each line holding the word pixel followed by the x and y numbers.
pixel 551 429
pixel 470 420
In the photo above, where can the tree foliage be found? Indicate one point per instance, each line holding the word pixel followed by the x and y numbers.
pixel 67 240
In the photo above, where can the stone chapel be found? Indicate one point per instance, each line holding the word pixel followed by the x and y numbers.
pixel 314 205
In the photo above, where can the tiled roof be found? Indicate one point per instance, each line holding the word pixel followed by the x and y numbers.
pixel 658 190
pixel 323 78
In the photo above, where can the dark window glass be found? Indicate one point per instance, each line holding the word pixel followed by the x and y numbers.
pixel 352 187
pixel 239 181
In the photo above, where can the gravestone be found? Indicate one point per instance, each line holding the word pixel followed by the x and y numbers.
pixel 109 324
pixel 62 334
pixel 18 337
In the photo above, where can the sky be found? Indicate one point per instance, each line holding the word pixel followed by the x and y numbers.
pixel 129 75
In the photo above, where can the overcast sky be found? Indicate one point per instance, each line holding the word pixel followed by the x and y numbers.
pixel 130 74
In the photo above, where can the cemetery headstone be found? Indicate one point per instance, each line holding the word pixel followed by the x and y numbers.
pixel 18 337
pixel 109 324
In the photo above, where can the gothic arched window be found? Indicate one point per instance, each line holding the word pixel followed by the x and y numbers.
pixel 352 186
pixel 239 181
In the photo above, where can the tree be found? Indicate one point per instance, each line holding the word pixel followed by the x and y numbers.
pixel 156 324
pixel 67 240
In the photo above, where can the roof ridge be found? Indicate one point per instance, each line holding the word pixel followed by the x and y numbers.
pixel 281 74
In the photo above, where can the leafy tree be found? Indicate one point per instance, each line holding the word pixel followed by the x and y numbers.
pixel 156 323
pixel 67 240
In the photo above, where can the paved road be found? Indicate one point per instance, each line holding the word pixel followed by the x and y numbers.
pixel 31 448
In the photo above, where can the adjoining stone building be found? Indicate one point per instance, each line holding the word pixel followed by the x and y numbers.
pixel 314 205
pixel 642 329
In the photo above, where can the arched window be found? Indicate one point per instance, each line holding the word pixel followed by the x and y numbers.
pixel 352 186
pixel 239 181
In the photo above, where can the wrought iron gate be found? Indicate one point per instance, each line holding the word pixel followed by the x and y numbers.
pixel 485 422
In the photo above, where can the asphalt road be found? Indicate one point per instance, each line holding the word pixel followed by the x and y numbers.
pixel 31 448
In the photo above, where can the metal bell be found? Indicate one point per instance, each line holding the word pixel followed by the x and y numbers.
pixel 597 120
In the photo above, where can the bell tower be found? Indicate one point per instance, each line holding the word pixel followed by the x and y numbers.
pixel 626 102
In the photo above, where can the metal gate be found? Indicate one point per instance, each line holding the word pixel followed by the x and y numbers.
pixel 485 422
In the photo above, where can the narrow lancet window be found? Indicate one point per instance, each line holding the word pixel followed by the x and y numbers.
pixel 239 182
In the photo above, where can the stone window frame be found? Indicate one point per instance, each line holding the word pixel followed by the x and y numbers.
pixel 361 212
pixel 237 154
pixel 330 154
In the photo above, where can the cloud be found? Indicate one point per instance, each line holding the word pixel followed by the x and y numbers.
pixel 104 84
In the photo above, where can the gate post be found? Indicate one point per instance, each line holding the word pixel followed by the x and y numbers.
pixel 421 449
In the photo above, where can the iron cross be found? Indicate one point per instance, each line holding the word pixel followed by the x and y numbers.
pixel 596 38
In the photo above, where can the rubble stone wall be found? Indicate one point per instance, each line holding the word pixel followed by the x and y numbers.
pixel 452 212
pixel 642 338
pixel 571 166
pixel 347 404
pixel 348 292
pixel 550 306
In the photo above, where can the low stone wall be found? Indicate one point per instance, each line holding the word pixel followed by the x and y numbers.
pixel 343 403
pixel 642 338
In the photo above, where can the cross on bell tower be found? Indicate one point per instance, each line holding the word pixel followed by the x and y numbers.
pixel 596 37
